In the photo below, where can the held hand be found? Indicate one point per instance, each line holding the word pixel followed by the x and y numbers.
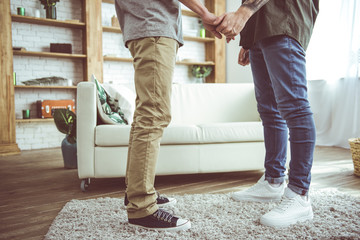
pixel 243 58
pixel 233 23
pixel 229 39
pixel 210 22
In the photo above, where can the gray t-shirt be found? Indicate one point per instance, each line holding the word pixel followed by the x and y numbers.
pixel 150 18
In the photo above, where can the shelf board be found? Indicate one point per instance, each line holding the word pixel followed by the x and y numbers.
pixel 187 38
pixel 47 22
pixel 43 87
pixel 207 63
pixel 119 59
pixel 49 54
pixel 199 39
pixel 108 1
pixel 32 120
pixel 111 29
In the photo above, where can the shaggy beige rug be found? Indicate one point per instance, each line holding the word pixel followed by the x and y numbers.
pixel 213 216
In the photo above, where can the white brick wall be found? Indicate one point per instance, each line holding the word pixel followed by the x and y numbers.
pixel 36 136
pixel 33 37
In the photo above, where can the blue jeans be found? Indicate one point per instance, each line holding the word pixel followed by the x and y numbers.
pixel 278 67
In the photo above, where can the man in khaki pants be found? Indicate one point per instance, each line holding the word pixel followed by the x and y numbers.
pixel 153 33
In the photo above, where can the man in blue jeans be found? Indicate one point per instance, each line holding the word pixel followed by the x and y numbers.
pixel 274 37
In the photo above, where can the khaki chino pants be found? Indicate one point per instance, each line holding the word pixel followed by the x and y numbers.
pixel 154 62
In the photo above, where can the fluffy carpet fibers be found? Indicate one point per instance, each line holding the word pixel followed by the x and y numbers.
pixel 213 216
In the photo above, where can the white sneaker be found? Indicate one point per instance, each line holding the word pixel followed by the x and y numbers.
pixel 262 191
pixel 293 208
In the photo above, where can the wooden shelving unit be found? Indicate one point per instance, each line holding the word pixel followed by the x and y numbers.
pixel 48 22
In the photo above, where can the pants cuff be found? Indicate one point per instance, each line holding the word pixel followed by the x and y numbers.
pixel 300 191
pixel 143 213
pixel 275 180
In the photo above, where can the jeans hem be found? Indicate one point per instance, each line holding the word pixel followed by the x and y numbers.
pixel 300 191
pixel 275 180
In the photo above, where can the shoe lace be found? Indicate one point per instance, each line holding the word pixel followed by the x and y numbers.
pixel 285 204
pixel 163 215
pixel 159 197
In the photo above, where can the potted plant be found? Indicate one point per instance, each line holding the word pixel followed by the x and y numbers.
pixel 50 8
pixel 355 152
pixel 65 121
pixel 200 72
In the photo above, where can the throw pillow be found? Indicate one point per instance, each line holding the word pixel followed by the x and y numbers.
pixel 108 107
pixel 126 99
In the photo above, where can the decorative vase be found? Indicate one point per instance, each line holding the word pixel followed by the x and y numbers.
pixel 69 152
pixel 51 12
pixel 199 80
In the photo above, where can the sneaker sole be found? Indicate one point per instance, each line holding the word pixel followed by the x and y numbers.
pixel 268 223
pixel 182 227
pixel 253 199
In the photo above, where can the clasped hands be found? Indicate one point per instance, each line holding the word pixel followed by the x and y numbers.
pixel 230 25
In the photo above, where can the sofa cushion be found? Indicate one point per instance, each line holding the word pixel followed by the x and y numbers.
pixel 108 107
pixel 117 135
pixel 213 102
pixel 126 99
pixel 231 132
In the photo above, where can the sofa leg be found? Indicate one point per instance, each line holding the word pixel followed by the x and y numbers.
pixel 84 184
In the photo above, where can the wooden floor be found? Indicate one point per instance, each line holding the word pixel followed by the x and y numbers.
pixel 35 186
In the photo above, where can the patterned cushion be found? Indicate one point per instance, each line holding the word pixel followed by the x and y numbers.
pixel 125 95
pixel 108 107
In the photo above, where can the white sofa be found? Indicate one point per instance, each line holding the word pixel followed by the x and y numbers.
pixel 214 128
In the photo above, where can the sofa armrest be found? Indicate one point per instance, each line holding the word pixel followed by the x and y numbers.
pixel 85 127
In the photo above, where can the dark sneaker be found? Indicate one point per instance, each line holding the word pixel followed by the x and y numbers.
pixel 161 201
pixel 161 220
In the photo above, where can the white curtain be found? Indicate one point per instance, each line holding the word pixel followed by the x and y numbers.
pixel 333 63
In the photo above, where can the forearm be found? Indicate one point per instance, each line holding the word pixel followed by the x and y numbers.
pixel 251 6
pixel 196 6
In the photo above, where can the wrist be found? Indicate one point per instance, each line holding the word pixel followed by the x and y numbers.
pixel 245 12
pixel 205 15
